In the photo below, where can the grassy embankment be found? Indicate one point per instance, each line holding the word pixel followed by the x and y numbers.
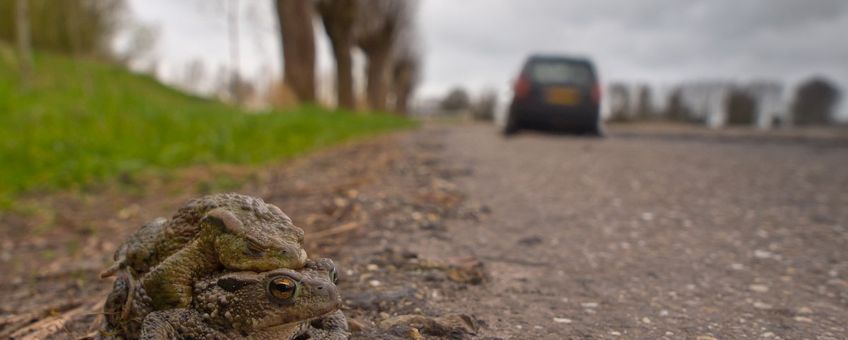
pixel 83 122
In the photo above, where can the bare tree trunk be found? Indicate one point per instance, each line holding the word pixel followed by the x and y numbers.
pixel 403 85
pixel 295 19
pixel 379 27
pixel 378 77
pixel 24 41
pixel 233 24
pixel 402 99
pixel 344 75
pixel 339 17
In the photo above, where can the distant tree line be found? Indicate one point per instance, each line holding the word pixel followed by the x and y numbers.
pixel 761 103
pixel 76 27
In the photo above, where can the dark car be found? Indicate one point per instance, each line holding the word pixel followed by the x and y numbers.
pixel 556 92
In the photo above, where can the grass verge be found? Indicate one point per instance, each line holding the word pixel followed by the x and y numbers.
pixel 80 122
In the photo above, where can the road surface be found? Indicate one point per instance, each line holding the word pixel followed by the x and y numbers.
pixel 652 234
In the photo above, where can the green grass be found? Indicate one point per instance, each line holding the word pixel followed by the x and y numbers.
pixel 82 122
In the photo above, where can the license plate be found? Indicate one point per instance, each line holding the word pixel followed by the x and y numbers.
pixel 563 96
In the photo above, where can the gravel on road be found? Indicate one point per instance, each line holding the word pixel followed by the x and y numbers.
pixel 693 235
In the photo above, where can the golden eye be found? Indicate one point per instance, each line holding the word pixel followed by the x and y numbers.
pixel 282 288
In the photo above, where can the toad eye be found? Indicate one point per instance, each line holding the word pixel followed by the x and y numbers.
pixel 334 276
pixel 282 289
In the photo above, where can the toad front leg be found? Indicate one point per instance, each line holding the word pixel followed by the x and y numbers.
pixel 330 327
pixel 177 323
pixel 169 285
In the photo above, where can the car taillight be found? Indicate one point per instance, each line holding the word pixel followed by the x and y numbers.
pixel 596 93
pixel 522 87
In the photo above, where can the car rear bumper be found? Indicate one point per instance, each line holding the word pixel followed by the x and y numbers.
pixel 555 116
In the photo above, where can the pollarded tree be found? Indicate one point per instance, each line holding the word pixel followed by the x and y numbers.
pixel 741 107
pixel 814 102
pixel 298 41
pixel 645 107
pixel 377 29
pixel 405 73
pixel 456 100
pixel 339 17
pixel 620 109
pixel 676 109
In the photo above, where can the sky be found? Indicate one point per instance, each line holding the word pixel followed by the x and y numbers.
pixel 481 43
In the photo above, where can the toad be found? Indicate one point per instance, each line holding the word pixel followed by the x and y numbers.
pixel 223 231
pixel 277 304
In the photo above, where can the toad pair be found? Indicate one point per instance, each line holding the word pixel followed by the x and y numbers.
pixel 230 248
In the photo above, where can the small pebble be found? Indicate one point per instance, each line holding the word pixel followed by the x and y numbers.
pixel 763 254
pixel 759 288
pixel 562 320
pixel 761 305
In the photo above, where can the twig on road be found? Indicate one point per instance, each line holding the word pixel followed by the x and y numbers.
pixel 334 231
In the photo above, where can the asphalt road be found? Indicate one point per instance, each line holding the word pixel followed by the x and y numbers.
pixel 648 235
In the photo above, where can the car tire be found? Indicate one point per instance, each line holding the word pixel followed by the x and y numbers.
pixel 596 130
pixel 511 126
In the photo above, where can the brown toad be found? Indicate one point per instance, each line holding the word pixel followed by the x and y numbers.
pixel 223 231
pixel 278 304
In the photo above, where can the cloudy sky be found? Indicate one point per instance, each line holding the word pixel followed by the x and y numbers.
pixel 481 43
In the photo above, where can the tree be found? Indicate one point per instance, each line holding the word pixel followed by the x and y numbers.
pixel 24 41
pixel 405 75
pixel 814 102
pixel 377 29
pixel 68 26
pixel 645 108
pixel 232 36
pixel 456 100
pixel 676 109
pixel 740 107
pixel 619 102
pixel 297 33
pixel 484 108
pixel 194 74
pixel 339 17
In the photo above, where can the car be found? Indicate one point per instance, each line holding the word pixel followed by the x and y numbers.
pixel 556 92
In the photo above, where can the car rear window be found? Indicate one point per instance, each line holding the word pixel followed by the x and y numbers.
pixel 560 72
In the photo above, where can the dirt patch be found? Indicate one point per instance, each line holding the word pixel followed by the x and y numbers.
pixel 352 201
